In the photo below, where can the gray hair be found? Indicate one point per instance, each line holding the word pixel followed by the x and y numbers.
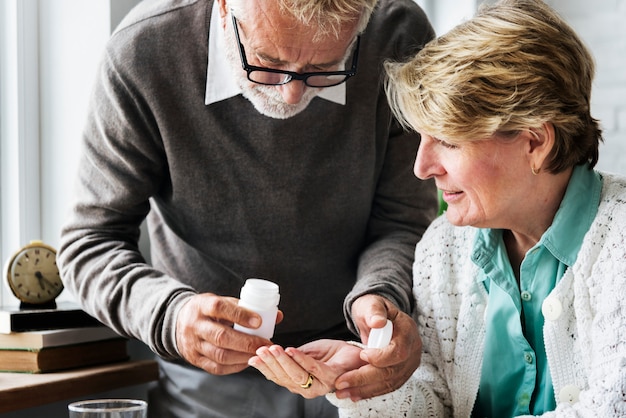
pixel 329 16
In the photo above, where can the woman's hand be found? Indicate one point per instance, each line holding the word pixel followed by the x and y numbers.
pixel 385 369
pixel 322 361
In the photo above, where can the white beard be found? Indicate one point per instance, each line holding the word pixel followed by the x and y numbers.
pixel 266 99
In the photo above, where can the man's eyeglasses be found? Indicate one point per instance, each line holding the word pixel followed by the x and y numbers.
pixel 272 77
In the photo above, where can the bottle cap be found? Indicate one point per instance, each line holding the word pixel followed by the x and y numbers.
pixel 261 293
pixel 380 337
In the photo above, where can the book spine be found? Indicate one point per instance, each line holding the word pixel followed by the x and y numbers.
pixel 37 321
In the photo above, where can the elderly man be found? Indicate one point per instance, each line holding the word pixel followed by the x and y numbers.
pixel 256 139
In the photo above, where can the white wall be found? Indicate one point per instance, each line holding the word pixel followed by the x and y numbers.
pixel 72 37
pixel 601 25
pixel 444 14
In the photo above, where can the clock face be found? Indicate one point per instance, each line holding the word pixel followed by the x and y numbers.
pixel 33 275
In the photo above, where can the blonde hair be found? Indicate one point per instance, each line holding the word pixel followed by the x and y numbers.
pixel 329 16
pixel 512 67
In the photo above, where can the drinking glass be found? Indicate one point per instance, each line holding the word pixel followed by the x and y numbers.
pixel 109 408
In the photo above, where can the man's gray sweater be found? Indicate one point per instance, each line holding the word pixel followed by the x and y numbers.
pixel 324 203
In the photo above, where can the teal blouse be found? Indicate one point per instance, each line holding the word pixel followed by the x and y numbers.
pixel 515 379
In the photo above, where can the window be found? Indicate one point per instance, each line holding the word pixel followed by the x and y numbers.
pixel 49 52
pixel 19 177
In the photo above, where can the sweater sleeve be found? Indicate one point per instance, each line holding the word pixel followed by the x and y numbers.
pixel 99 258
pixel 403 206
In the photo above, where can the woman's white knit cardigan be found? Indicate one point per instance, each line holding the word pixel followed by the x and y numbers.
pixel 585 343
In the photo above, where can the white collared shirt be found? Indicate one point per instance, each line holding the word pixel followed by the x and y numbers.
pixel 220 80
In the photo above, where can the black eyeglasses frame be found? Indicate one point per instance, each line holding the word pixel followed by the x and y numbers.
pixel 291 74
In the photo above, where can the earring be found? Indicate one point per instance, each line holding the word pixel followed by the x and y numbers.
pixel 534 170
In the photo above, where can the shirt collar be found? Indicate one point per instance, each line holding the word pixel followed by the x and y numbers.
pixel 575 215
pixel 220 81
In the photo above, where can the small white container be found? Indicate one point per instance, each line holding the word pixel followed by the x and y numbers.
pixel 262 297
pixel 380 337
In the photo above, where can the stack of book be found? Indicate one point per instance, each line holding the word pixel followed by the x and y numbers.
pixel 47 340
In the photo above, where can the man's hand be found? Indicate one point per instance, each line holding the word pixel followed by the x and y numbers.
pixel 388 367
pixel 206 339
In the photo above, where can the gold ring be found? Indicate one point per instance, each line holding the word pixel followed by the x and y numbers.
pixel 308 383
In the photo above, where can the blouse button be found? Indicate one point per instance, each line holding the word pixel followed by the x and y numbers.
pixel 526 296
pixel 569 394
pixel 551 308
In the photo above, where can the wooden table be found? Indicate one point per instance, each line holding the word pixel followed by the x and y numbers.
pixel 20 391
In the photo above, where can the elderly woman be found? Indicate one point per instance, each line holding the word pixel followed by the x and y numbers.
pixel 521 286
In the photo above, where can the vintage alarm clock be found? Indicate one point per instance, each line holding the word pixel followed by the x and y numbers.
pixel 33 276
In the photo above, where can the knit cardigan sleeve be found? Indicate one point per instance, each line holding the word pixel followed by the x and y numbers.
pixel 413 399
pixel 384 266
pixel 426 393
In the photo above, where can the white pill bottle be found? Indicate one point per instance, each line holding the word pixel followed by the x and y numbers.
pixel 262 297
